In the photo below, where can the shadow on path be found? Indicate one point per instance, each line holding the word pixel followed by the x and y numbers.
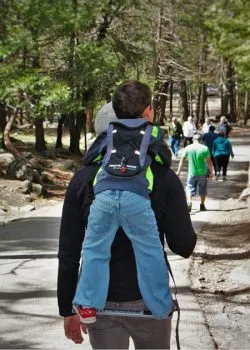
pixel 33 234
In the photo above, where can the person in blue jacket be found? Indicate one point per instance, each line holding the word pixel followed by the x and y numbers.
pixel 222 149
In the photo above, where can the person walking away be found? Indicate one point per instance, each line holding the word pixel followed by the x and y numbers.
pixel 199 160
pixel 189 129
pixel 208 140
pixel 175 134
pixel 122 187
pixel 224 126
pixel 222 149
pixel 206 125
pixel 175 227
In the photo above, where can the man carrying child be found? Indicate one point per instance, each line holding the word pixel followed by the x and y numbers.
pixel 173 223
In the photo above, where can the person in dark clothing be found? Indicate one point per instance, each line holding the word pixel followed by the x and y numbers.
pixel 175 134
pixel 174 224
pixel 224 126
pixel 208 140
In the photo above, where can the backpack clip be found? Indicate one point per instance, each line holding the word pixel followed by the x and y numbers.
pixel 123 165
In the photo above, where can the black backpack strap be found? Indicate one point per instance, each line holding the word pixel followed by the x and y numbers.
pixel 145 144
pixel 110 145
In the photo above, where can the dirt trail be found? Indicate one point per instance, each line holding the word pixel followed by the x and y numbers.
pixel 220 268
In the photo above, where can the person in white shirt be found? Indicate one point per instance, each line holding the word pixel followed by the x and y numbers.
pixel 206 125
pixel 189 129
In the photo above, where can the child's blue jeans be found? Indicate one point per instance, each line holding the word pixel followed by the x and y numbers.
pixel 110 210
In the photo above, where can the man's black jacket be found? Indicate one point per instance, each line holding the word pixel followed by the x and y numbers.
pixel 174 224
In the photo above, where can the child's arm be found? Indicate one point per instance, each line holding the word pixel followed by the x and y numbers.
pixel 159 150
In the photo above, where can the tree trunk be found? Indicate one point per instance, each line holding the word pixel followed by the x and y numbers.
pixel 76 125
pixel 6 136
pixel 203 98
pixel 160 103
pixel 85 134
pixel 207 109
pixel 60 131
pixel 171 98
pixel 184 111
pixel 40 145
pixel 232 92
pixel 3 121
pixel 89 120
pixel 88 101
pixel 197 106
pixel 191 112
pixel 246 108
pixel 224 102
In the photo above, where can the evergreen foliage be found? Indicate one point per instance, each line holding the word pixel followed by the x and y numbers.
pixel 66 56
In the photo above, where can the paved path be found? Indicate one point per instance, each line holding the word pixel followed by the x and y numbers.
pixel 28 271
pixel 193 330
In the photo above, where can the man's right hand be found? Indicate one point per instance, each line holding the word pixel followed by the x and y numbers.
pixel 73 327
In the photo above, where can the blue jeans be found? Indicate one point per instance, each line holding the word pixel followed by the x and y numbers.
pixel 174 144
pixel 194 181
pixel 110 210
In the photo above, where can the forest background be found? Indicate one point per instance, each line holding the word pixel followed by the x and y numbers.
pixel 61 59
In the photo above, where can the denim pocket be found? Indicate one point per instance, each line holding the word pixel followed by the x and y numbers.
pixel 100 219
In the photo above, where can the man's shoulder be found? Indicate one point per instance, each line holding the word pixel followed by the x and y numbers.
pixel 85 174
pixel 164 175
pixel 203 148
pixel 189 148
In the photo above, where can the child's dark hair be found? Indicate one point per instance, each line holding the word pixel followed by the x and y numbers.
pixel 130 99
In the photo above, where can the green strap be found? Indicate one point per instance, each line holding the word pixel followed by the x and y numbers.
pixel 155 131
pixel 150 178
pixel 97 158
pixel 158 159
pixel 95 179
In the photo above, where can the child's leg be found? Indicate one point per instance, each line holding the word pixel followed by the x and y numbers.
pixel 93 284
pixel 138 222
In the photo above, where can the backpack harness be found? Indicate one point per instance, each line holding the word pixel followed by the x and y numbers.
pixel 126 162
